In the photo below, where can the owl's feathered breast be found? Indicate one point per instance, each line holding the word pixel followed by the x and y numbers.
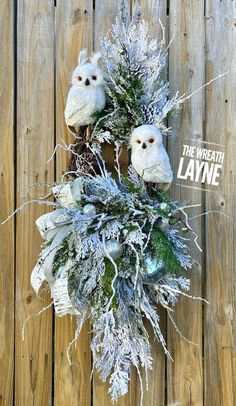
pixel 82 103
pixel 152 165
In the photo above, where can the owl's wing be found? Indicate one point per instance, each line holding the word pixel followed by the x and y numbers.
pixel 158 168
pixel 76 108
pixel 73 104
pixel 165 166
pixel 74 113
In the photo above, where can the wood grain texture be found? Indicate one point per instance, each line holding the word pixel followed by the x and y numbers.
pixel 35 127
pixel 154 12
pixel 220 288
pixel 7 204
pixel 186 74
pixel 49 35
pixel 104 16
pixel 74 31
pixel 72 384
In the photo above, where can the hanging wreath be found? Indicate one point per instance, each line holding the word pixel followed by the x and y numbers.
pixel 112 252
pixel 116 247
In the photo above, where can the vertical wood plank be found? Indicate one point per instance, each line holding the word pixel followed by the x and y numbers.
pixel 7 204
pixel 73 32
pixel 186 74
pixel 104 16
pixel 153 12
pixel 220 322
pixel 35 128
pixel 105 13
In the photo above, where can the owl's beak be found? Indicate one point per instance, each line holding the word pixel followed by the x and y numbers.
pixel 144 146
pixel 87 82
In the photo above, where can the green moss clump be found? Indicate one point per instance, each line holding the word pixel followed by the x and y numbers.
pixel 107 279
pixel 162 249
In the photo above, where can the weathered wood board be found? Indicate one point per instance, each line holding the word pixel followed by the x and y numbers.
pixel 6 203
pixel 104 15
pixel 220 279
pixel 34 144
pixel 186 74
pixel 74 22
pixel 155 13
pixel 40 43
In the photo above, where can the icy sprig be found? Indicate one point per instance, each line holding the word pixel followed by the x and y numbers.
pixel 116 295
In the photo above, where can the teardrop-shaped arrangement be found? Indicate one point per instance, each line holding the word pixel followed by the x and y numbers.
pixel 114 246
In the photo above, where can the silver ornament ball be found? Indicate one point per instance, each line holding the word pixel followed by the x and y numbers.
pixel 114 249
pixel 89 210
pixel 163 224
pixel 155 271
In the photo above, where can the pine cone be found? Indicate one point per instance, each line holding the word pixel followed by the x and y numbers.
pixel 138 70
pixel 85 161
pixel 149 113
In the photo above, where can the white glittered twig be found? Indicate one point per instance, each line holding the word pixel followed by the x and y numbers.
pixel 183 99
pixel 180 292
pixel 39 201
pixel 34 315
pixel 116 272
pixel 76 336
pixel 178 331
pixel 118 150
pixel 206 213
pixel 190 228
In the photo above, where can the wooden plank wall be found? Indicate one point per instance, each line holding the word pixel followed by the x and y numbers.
pixel 154 12
pixel 220 280
pixel 186 73
pixel 40 42
pixel 7 328
pixel 74 26
pixel 34 143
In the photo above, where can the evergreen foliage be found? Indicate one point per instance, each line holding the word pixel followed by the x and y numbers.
pixel 162 250
pixel 118 294
pixel 136 88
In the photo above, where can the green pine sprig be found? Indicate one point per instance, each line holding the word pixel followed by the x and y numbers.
pixel 161 249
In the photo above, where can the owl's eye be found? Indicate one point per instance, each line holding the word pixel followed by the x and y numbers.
pixel 79 78
pixel 138 142
pixel 151 140
pixel 94 77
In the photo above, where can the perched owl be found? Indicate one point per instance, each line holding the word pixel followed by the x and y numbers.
pixel 149 157
pixel 86 95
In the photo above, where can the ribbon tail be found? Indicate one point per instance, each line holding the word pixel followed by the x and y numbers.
pixel 37 278
pixel 61 298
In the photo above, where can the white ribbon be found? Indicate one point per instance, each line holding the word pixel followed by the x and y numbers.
pixel 61 298
pixel 51 252
pixel 37 277
pixel 46 225
pixel 63 194
pixel 52 229
pixel 77 189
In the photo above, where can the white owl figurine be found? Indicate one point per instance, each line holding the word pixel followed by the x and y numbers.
pixel 86 95
pixel 149 157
